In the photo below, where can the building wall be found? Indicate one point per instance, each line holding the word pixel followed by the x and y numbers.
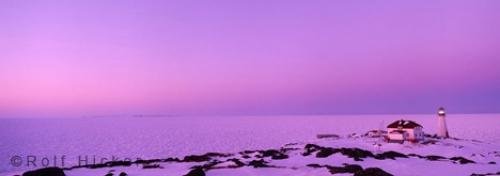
pixel 396 136
pixel 418 133
pixel 415 134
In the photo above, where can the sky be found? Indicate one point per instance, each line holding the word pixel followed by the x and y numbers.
pixel 248 57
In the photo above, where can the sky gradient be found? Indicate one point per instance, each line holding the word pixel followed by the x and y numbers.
pixel 79 58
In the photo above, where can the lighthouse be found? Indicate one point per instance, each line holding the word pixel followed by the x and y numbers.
pixel 442 128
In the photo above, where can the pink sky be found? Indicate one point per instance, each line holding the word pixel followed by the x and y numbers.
pixel 248 57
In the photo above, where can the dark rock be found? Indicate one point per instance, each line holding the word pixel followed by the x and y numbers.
pixel 248 152
pixel 49 171
pixel 461 160
pixel 390 155
pixel 492 162
pixel 171 160
pixel 356 153
pixel 123 174
pixel 209 165
pixel 325 152
pixel 314 165
pixel 204 157
pixel 237 162
pixel 372 171
pixel 279 157
pixel 274 154
pixel 245 156
pixel 109 174
pixel 196 158
pixel 213 154
pixel 434 157
pixel 487 174
pixel 415 155
pixel 352 168
pixel 321 136
pixel 311 148
pixel 336 170
pixel 287 149
pixel 355 169
pixel 151 166
pixel 147 161
pixel 258 163
pixel 109 164
pixel 196 172
pixel 347 168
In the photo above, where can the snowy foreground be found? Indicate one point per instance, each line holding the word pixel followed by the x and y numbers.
pixel 353 154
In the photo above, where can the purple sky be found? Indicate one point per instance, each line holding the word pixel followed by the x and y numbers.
pixel 62 58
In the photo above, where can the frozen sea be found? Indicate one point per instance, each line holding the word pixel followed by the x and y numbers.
pixel 161 137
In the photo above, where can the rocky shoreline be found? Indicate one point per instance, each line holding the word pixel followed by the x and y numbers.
pixel 201 164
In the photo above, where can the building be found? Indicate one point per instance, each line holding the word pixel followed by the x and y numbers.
pixel 405 130
pixel 442 130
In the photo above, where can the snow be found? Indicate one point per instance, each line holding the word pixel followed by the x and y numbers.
pixel 150 138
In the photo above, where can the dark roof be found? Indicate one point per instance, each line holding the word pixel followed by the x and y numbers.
pixel 403 124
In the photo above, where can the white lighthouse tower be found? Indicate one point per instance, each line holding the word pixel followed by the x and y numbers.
pixel 442 128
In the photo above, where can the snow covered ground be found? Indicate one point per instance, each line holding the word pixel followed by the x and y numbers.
pixel 177 137
pixel 326 156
